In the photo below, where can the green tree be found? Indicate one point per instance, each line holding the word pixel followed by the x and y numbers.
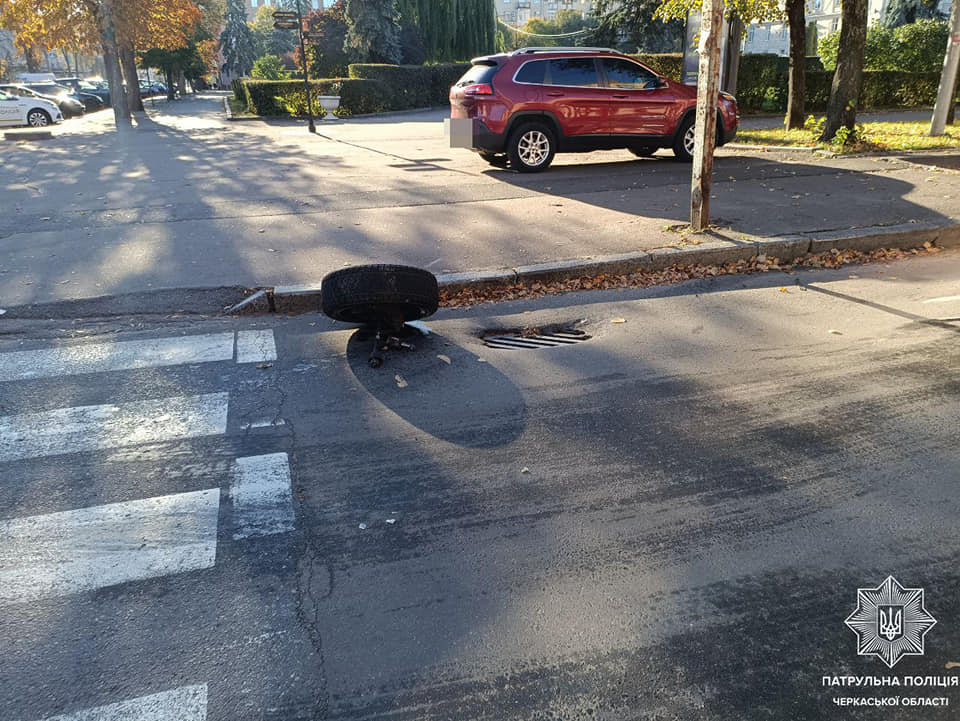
pixel 328 59
pixel 270 67
pixel 445 30
pixel 848 75
pixel 237 42
pixel 633 25
pixel 271 41
pixel 373 31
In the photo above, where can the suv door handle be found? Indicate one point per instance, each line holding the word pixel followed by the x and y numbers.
pixel 554 95
pixel 621 97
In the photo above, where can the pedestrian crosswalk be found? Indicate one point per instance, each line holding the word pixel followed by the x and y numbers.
pixel 188 703
pixel 70 551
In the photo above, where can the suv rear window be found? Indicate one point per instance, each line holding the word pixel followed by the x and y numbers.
pixel 579 72
pixel 532 72
pixel 479 73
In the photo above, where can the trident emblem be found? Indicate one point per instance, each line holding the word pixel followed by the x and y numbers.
pixel 890 622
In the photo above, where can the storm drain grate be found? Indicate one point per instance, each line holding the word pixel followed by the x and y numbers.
pixel 518 341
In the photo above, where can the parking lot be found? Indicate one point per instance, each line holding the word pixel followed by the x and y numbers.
pixel 189 200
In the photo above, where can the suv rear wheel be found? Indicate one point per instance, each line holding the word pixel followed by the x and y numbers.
pixel 683 140
pixel 531 147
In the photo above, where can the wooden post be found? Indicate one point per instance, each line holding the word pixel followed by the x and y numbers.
pixel 948 78
pixel 708 81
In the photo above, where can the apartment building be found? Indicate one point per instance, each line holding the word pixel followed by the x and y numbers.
pixel 823 17
pixel 517 12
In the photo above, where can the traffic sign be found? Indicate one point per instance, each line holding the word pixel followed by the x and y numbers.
pixel 286 25
pixel 284 15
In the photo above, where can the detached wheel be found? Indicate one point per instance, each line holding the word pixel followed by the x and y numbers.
pixel 684 139
pixel 531 147
pixel 373 294
pixel 495 159
pixel 38 119
pixel 643 152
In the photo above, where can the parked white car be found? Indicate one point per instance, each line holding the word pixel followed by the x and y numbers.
pixel 35 112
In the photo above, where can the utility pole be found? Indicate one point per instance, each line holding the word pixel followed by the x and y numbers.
pixel 708 77
pixel 948 77
pixel 306 76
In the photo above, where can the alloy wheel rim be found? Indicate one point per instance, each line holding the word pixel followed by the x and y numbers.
pixel 533 148
pixel 689 139
pixel 37 120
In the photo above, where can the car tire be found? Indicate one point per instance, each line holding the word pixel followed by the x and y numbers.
pixel 498 160
pixel 37 118
pixel 531 147
pixel 683 140
pixel 365 293
pixel 643 152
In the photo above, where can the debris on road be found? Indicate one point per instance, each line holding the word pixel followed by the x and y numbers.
pixel 673 275
pixel 618 320
pixel 444 358
pixel 362 526
pixel 401 382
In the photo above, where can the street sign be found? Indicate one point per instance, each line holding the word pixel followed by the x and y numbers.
pixel 286 25
pixel 284 15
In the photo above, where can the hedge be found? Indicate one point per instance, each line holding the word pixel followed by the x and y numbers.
pixel 669 65
pixel 412 86
pixel 286 97
pixel 881 89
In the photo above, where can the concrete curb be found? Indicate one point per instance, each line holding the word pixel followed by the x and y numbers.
pixel 713 248
pixel 716 248
pixel 28 135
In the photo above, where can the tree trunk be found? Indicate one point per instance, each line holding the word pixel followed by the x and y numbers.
pixel 111 63
pixel 128 60
pixel 118 98
pixel 171 90
pixel 848 77
pixel 796 18
pixel 181 83
pixel 33 59
pixel 708 81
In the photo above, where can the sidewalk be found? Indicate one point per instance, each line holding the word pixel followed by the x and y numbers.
pixel 188 200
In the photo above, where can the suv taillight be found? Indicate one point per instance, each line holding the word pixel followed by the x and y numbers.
pixel 478 89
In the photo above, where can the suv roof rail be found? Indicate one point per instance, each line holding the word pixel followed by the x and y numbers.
pixel 531 50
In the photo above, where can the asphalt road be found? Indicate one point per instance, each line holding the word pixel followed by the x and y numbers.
pixel 241 520
pixel 189 200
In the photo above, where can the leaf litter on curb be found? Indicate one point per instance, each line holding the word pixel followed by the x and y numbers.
pixel 675 274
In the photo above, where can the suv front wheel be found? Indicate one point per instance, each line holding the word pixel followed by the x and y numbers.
pixel 531 147
pixel 683 140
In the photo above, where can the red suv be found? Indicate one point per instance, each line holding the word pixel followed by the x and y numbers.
pixel 525 106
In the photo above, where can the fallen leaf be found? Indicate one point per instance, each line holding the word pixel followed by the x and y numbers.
pixel 444 358
pixel 524 470
pixel 833 331
pixel 784 290
pixel 262 366
pixel 362 526
pixel 618 320
pixel 401 383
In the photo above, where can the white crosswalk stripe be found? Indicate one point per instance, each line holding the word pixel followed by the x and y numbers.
pixel 66 360
pixel 187 703
pixel 62 553
pixel 56 555
pixel 260 492
pixel 88 428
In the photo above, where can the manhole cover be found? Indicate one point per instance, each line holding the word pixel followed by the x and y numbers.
pixel 532 339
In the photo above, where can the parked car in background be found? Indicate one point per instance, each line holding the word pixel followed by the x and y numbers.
pixel 32 111
pixel 523 107
pixel 64 97
pixel 69 106
pixel 100 90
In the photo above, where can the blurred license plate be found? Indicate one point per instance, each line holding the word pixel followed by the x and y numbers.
pixel 459 131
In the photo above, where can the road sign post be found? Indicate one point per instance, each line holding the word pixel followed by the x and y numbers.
pixel 306 75
pixel 289 20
